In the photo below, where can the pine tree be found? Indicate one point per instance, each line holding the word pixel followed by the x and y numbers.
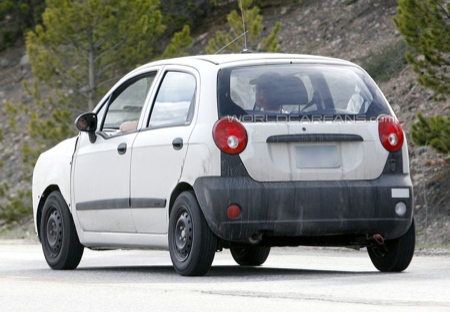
pixel 79 51
pixel 425 26
pixel 84 44
pixel 180 41
pixel 82 47
pixel 235 40
pixel 433 131
pixel 16 17
pixel 178 13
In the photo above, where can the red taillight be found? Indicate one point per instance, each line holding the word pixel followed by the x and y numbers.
pixel 391 133
pixel 230 135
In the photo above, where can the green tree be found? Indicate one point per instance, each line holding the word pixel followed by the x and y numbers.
pixel 179 43
pixel 235 40
pixel 178 13
pixel 14 207
pixel 433 131
pixel 425 25
pixel 85 44
pixel 17 16
pixel 83 47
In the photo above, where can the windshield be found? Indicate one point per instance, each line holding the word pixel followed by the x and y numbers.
pixel 298 90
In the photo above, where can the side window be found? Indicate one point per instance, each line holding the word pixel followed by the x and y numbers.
pixel 175 100
pixel 125 105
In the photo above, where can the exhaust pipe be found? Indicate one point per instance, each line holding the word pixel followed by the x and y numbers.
pixel 255 239
pixel 378 239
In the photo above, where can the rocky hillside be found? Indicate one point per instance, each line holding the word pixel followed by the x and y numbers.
pixel 355 30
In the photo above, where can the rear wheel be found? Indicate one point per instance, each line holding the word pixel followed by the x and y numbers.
pixel 59 239
pixel 251 256
pixel 394 255
pixel 192 245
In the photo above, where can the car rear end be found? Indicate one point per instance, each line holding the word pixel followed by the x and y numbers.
pixel 329 166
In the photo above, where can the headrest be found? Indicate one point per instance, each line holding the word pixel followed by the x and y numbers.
pixel 290 91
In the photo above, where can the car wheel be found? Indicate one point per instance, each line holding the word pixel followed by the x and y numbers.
pixel 59 239
pixel 250 255
pixel 192 244
pixel 394 255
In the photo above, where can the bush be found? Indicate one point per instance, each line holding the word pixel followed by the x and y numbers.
pixel 386 63
pixel 16 206
pixel 433 131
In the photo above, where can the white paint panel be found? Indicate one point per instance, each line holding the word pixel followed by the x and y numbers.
pixel 355 160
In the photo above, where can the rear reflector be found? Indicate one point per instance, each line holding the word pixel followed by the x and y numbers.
pixel 233 211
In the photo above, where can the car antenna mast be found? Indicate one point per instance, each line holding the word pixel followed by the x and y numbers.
pixel 245 50
pixel 243 27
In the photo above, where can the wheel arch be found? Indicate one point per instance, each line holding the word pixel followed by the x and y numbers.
pixel 50 189
pixel 180 188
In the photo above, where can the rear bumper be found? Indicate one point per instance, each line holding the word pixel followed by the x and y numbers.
pixel 325 209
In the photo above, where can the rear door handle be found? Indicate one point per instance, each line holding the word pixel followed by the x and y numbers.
pixel 122 148
pixel 177 144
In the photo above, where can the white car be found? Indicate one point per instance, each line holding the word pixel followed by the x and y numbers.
pixel 242 151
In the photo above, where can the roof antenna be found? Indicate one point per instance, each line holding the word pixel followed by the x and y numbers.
pixel 234 41
pixel 245 31
pixel 245 50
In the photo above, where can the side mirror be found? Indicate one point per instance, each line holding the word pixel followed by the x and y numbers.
pixel 87 122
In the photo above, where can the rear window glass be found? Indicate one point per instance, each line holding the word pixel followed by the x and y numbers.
pixel 298 90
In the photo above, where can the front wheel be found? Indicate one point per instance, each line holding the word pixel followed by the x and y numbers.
pixel 251 255
pixel 192 244
pixel 59 239
pixel 394 255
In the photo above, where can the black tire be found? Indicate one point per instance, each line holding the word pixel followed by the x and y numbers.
pixel 59 239
pixel 395 255
pixel 192 244
pixel 250 256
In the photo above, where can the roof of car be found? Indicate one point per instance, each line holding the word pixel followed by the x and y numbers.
pixel 219 59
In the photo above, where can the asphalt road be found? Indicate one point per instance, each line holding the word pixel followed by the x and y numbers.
pixel 292 279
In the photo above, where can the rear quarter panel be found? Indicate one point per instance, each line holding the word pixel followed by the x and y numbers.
pixel 203 157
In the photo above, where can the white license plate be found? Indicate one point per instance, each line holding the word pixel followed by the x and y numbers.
pixel 317 156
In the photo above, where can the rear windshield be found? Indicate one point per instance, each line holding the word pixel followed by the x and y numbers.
pixel 260 93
